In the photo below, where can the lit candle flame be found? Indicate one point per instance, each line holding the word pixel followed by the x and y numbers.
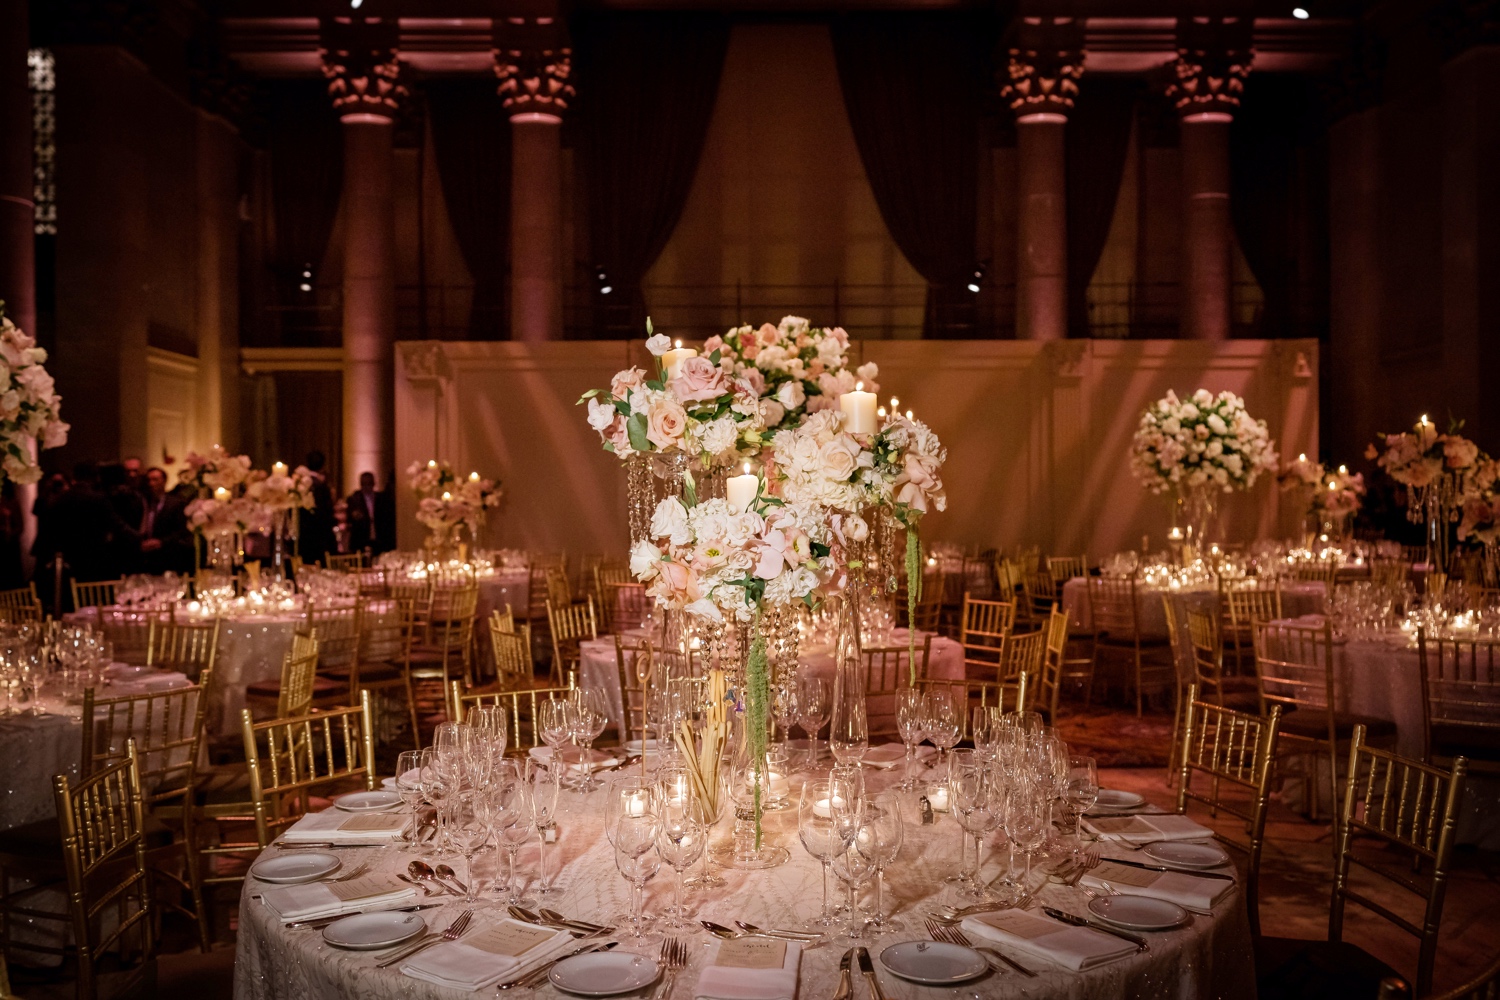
pixel 1343 470
pixel 678 343
pixel 895 404
pixel 432 463
pixel 859 387
pixel 1302 457
pixel 447 496
pixel 473 477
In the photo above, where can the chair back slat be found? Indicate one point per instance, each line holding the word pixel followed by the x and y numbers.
pixel 1114 607
pixel 166 728
pixel 520 708
pixel 1460 691
pixel 94 595
pixel 1054 654
pixel 1296 664
pixel 511 651
pixel 983 627
pixel 299 671
pixel 191 648
pixel 1065 568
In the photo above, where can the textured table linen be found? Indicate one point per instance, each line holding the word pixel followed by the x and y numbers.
pixel 1208 958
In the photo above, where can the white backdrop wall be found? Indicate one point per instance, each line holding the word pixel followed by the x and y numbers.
pixel 1038 434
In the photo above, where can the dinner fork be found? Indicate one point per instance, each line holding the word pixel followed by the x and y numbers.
pixel 1085 864
pixel 454 931
pixel 674 955
pixel 353 873
pixel 953 935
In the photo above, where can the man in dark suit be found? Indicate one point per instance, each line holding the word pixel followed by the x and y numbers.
pixel 166 539
pixel 315 535
pixel 369 518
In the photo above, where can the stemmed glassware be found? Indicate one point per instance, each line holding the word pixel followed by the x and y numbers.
pixel 821 825
pixel 587 716
pixel 1028 808
pixel 855 868
pixel 879 839
pixel 470 826
pixel 409 785
pixel 510 817
pixel 972 799
pixel 942 721
pixel 911 725
pixel 680 837
pixel 637 860
pixel 436 783
pixel 814 706
pixel 541 784
pixel 1083 790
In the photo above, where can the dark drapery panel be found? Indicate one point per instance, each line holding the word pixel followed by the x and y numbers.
pixel 912 85
pixel 1278 199
pixel 646 90
pixel 307 175
pixel 1098 136
pixel 471 141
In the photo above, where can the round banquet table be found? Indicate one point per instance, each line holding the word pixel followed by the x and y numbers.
pixel 599 669
pixel 1209 957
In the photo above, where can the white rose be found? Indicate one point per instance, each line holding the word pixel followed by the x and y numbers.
pixel 855 528
pixel 658 344
pixel 670 521
pixel 719 435
pixel 1203 397
pixel 643 559
pixel 601 415
pixel 791 394
pixel 1216 424
pixel 771 412
pixel 839 458
pixel 868 373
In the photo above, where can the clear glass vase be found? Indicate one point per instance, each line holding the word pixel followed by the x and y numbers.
pixel 849 735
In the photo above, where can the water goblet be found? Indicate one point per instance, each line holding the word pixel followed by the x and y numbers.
pixel 879 839
pixel 1083 790
pixel 814 707
pixel 512 822
pixel 680 838
pixel 910 722
pixel 821 835
pixel 943 722
pixel 409 785
pixel 638 862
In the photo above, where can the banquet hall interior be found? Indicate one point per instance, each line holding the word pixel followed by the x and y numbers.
pixel 749 500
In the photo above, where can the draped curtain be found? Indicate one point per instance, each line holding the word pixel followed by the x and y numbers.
pixel 912 85
pixel 1097 138
pixel 307 176
pixel 646 90
pixel 471 142
pixel 1278 199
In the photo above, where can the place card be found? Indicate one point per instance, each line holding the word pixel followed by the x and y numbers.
pixel 1122 825
pixel 510 939
pixel 364 887
pixel 751 953
pixel 1108 871
pixel 374 823
pixel 1019 923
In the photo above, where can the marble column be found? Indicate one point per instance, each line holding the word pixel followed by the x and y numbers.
pixel 360 62
pixel 1040 83
pixel 17 225
pixel 1213 59
pixel 533 62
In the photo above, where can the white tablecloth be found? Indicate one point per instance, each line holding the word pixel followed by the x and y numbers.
pixel 599 668
pixel 1209 958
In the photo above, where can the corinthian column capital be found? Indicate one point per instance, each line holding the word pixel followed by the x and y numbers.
pixel 1214 55
pixel 361 64
pixel 534 63
pixel 1044 62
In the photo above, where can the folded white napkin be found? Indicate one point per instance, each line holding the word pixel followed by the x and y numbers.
pixel 1140 829
pixel 1181 888
pixel 389 784
pixel 889 755
pixel 719 982
pixel 480 959
pixel 1075 948
pixel 324 899
pixel 336 826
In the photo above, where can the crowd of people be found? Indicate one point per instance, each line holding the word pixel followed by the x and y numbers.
pixel 111 519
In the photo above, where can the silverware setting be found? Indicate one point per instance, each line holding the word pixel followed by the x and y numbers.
pixel 952 935
pixel 1072 918
pixel 533 979
pixel 674 957
pixel 453 933
pixel 353 873
pixel 320 922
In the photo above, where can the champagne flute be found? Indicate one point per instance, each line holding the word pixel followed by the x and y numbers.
pixel 1027 812
pixel 436 784
pixel 541 803
pixel 855 868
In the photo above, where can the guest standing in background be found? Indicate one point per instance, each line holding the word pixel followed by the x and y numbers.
pixel 315 536
pixel 369 519
pixel 129 507
pixel 166 539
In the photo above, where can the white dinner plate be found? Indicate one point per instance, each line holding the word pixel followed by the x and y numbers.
pixel 573 756
pixel 290 869
pixel 369 931
pixel 933 963
pixel 1138 913
pixel 1187 855
pixel 603 973
pixel 635 746
pixel 1113 800
pixel 361 802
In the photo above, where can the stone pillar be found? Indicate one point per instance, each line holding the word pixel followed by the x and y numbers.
pixel 1213 59
pixel 1045 62
pixel 533 61
pixel 17 226
pixel 218 282
pixel 359 60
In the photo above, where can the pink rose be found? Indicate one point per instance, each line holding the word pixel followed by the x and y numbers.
pixel 676 583
pixel 815 368
pixel 756 381
pixel 623 382
pixel 918 483
pixel 838 336
pixel 665 422
pixel 617 435
pixel 712 344
pixel 1459 452
pixel 698 381
pixel 767 335
pixel 839 458
pixel 750 352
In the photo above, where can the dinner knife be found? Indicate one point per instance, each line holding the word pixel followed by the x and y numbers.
pixel 846 981
pixel 867 967
pixel 325 921
pixel 1077 921
pixel 1164 868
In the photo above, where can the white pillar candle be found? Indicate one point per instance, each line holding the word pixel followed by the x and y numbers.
pixel 859 410
pixel 635 804
pixel 938 797
pixel 740 491
pixel 279 468
pixel 822 810
pixel 671 360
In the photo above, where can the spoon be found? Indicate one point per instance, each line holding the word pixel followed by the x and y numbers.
pixel 558 918
pixel 420 885
pixel 792 935
pixel 422 870
pixel 444 871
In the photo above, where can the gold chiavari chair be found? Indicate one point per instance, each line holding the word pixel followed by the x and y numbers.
pixel 505 620
pixel 559 590
pixel 351 563
pixel 129 632
pixel 1065 568
pixel 1022 657
pixel 1460 701
pixel 1410 810
pixel 635 662
pixel 1241 693
pixel 569 624
pixel 1241 607
pixel 446 651
pixel 372 582
pixel 1389 572
pixel 5 993
pixel 519 706
pixel 981 632
pixel 1054 664
pixel 293 693
pixel 978 694
pixel 94 595
pixel 385 628
pixel 622 605
pixel 1296 672
pixel 1485 986
pixel 889 670
pixel 1316 571
pixel 20 605
pixel 1039 593
pixel 104 854
pixel 1232 751
pixel 1115 610
pixel 511 651
pixel 337 628
pixel 607 573
pixel 929 608
pixel 191 648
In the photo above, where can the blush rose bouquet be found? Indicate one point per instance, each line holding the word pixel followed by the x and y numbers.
pixel 29 405
pixel 796 368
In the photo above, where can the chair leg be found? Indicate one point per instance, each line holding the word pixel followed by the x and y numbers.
pixel 195 876
pixel 411 708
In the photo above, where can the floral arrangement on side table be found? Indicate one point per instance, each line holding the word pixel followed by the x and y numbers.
pixel 29 408
pixel 1331 498
pixel 1442 473
pixel 445 501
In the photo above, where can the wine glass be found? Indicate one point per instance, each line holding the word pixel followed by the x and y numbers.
pixel 879 839
pixel 785 709
pixel 490 724
pixel 541 784
pixel 943 722
pixel 587 717
pixel 709 814
pixel 855 869
pixel 820 834
pixel 638 862
pixel 1027 814
pixel 849 735
pixel 814 706
pixel 554 726
pixel 1083 790
pixel 984 731
pixel 910 722
pixel 470 830
pixel 436 783
pixel 970 797
pixel 409 785
pixel 679 836
pixel 511 819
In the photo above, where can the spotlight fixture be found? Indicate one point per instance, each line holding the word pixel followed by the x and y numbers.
pixel 1300 13
pixel 355 3
pixel 603 280
pixel 977 279
pixel 307 278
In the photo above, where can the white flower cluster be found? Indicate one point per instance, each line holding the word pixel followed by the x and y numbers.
pixel 796 368
pixel 218 470
pixel 703 411
pixel 712 561
pixel 29 406
pixel 1204 441
pixel 217 515
pixel 283 491
pixel 444 500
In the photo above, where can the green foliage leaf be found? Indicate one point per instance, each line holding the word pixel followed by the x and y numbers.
pixel 636 428
pixel 649 329
pixel 689 490
pixel 657 384
pixel 587 396
pixel 623 407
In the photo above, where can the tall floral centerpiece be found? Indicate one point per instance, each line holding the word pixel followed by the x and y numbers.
pixel 1479 523
pixel 796 368
pixel 223 513
pixel 1439 471
pixel 30 409
pixel 447 503
pixel 279 495
pixel 1199 448
pixel 1330 499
